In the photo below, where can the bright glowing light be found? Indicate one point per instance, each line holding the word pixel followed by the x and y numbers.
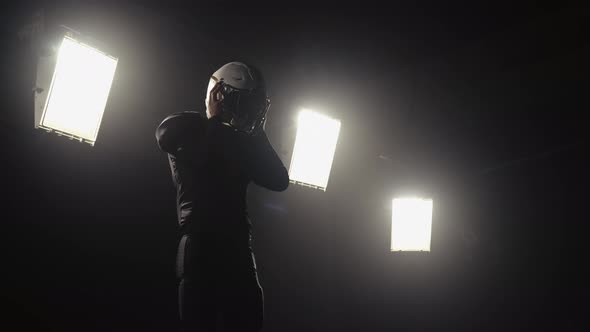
pixel 313 153
pixel 411 224
pixel 79 90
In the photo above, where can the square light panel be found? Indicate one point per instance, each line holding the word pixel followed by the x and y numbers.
pixel 313 153
pixel 411 224
pixel 79 91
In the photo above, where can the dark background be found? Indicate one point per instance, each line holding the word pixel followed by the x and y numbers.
pixel 481 107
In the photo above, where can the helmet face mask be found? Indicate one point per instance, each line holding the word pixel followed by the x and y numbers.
pixel 243 110
pixel 244 104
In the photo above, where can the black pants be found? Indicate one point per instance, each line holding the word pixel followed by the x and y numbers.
pixel 218 288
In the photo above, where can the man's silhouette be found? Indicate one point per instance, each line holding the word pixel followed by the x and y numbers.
pixel 213 160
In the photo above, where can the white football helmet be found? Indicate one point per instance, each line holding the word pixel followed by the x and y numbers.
pixel 245 102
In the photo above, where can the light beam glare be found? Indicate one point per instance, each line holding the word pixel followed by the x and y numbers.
pixel 79 90
pixel 411 224
pixel 313 153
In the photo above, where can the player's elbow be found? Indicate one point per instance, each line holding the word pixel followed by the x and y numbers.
pixel 282 181
pixel 162 138
pixel 275 182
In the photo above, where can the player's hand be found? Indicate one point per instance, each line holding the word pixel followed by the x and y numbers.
pixel 215 101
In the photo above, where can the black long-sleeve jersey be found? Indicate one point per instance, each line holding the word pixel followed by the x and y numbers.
pixel 212 165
